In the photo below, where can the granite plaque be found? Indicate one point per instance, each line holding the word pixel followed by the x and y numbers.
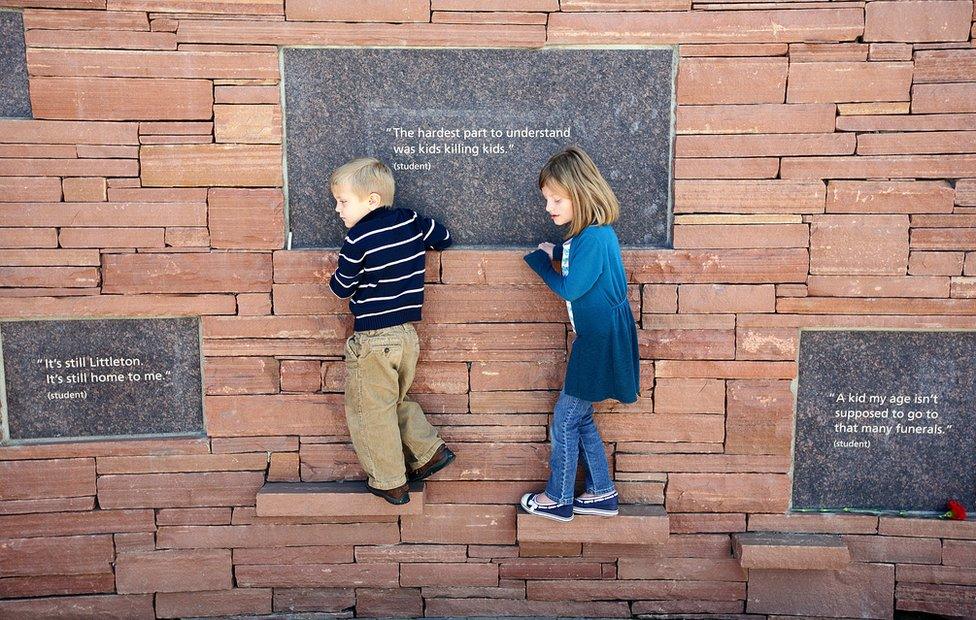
pixel 14 98
pixel 466 132
pixel 885 420
pixel 101 378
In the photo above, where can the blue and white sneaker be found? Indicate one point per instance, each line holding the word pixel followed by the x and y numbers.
pixel 604 505
pixel 558 513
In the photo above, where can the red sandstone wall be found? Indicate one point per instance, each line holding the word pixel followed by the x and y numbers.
pixel 825 176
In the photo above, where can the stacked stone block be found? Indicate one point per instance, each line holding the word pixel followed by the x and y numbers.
pixel 825 176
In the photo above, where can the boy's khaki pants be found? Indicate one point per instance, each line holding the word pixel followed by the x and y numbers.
pixel 384 425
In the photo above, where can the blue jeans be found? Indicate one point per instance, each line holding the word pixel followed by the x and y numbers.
pixel 572 432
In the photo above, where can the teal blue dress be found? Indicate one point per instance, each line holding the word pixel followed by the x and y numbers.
pixel 604 362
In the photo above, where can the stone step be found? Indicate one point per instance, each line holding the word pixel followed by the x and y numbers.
pixel 331 499
pixel 790 551
pixel 635 525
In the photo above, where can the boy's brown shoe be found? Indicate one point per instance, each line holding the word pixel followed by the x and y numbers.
pixel 398 495
pixel 441 459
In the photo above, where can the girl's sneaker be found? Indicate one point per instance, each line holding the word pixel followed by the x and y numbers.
pixel 604 505
pixel 558 513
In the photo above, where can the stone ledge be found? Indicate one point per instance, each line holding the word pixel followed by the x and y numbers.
pixel 635 525
pixel 331 499
pixel 789 551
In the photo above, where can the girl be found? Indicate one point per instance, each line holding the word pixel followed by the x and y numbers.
pixel 604 361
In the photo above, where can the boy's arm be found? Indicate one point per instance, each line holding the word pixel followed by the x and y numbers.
pixel 585 268
pixel 345 280
pixel 436 236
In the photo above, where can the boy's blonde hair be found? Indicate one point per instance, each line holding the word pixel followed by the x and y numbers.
pixel 575 173
pixel 365 176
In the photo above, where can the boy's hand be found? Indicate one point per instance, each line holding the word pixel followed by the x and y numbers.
pixel 547 248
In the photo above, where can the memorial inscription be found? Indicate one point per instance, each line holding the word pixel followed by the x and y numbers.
pixel 884 420
pixel 466 132
pixel 97 378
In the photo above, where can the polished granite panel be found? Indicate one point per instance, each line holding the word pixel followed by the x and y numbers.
pixel 885 420
pixel 466 132
pixel 14 98
pixel 102 377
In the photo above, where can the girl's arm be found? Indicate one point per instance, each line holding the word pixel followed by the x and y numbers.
pixel 557 252
pixel 586 265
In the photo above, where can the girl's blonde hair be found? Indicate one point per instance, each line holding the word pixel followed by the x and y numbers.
pixel 575 173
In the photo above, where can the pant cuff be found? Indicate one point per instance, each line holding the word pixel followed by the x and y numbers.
pixel 420 462
pixel 559 502
pixel 385 485
pixel 604 494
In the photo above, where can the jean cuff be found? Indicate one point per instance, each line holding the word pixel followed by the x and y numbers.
pixel 558 502
pixel 608 492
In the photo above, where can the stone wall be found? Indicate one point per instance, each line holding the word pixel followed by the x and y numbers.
pixel 825 176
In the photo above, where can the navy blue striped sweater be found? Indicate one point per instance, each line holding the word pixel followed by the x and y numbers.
pixel 381 266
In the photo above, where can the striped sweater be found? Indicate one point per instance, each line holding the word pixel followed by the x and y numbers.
pixel 381 266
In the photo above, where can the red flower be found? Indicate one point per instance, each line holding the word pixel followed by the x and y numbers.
pixel 956 511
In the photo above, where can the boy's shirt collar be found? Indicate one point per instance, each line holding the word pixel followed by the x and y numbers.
pixel 375 213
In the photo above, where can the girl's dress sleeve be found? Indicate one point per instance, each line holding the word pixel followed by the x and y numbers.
pixel 586 265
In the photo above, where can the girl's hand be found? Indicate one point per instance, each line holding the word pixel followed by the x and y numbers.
pixel 547 248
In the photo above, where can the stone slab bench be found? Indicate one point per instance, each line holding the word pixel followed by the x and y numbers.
pixel 635 525
pixel 790 551
pixel 331 499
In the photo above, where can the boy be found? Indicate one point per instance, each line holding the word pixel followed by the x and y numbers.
pixel 381 270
